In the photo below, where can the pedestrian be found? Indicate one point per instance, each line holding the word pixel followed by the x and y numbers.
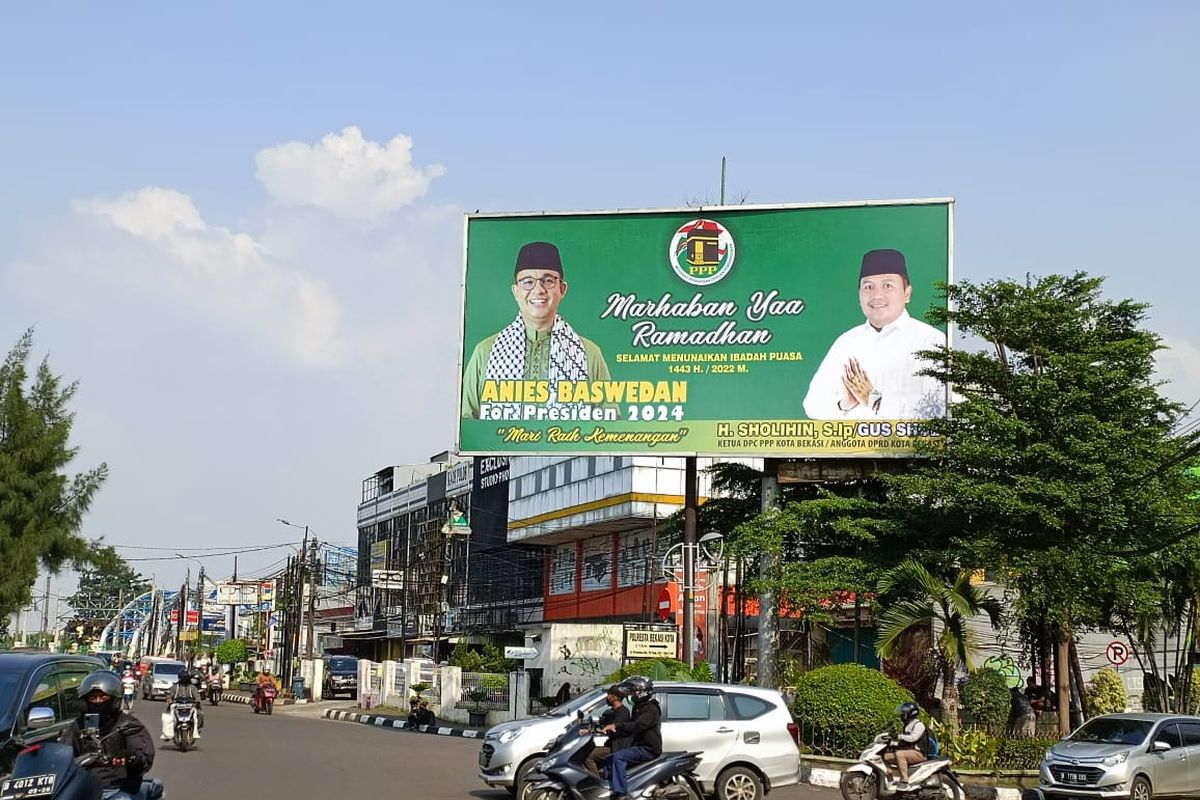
pixel 1022 720
pixel 564 694
pixel 1039 698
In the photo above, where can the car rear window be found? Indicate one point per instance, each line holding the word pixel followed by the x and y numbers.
pixel 168 669
pixel 343 664
pixel 747 706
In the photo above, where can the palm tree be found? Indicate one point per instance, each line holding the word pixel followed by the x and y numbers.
pixel 922 599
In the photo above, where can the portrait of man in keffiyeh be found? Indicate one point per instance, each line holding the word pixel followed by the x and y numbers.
pixel 538 344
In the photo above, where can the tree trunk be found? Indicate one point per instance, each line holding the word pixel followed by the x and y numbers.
pixel 949 702
pixel 1062 680
pixel 1077 673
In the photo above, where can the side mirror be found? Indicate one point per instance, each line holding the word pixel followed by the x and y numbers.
pixel 579 714
pixel 40 718
pixel 1159 747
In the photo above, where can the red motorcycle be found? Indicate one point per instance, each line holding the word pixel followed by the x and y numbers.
pixel 264 699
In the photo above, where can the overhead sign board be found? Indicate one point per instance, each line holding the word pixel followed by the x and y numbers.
pixel 244 593
pixel 747 330
pixel 387 578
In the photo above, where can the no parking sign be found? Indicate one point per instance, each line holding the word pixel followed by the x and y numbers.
pixel 1117 653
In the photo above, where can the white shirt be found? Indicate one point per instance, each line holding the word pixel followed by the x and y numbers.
pixel 889 359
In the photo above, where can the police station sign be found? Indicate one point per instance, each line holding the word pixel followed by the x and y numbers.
pixel 748 330
pixel 657 642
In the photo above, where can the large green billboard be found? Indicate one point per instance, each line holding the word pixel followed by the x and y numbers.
pixel 751 330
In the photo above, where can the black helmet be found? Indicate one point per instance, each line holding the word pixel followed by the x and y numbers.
pixel 101 682
pixel 908 712
pixel 637 687
pixel 185 678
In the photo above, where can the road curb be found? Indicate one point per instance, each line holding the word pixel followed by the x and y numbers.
pixel 244 700
pixel 829 778
pixel 398 724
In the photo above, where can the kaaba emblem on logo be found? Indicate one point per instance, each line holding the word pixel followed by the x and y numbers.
pixel 701 252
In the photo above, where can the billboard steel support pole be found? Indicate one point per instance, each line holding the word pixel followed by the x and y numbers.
pixel 768 603
pixel 690 492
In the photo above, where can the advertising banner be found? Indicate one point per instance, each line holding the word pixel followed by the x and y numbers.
pixel 750 330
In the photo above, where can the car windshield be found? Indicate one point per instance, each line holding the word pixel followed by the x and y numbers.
pixel 1112 730
pixel 168 670
pixel 343 664
pixel 577 704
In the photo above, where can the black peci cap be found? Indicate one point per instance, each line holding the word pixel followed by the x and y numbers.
pixel 883 262
pixel 539 255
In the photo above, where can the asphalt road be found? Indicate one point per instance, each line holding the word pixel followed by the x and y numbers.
pixel 295 755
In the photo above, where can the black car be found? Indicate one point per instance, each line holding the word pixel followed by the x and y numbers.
pixel 32 679
pixel 341 676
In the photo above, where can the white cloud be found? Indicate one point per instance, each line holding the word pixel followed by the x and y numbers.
pixel 164 250
pixel 1179 364
pixel 346 175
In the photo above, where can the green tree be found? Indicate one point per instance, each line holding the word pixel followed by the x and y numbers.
pixel 232 651
pixel 41 505
pixel 921 599
pixel 103 585
pixel 1061 467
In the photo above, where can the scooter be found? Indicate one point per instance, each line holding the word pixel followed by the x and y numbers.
pixel 264 699
pixel 871 777
pixel 185 718
pixel 562 774
pixel 52 771
pixel 214 690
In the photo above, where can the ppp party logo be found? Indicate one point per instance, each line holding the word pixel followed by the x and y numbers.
pixel 701 252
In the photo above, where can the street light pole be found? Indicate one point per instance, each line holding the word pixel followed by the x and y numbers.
pixel 301 580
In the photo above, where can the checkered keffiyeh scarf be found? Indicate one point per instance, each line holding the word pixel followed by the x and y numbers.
pixel 568 361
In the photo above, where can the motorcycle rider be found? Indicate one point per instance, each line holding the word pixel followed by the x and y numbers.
pixel 907 750
pixel 124 740
pixel 615 714
pixel 645 729
pixel 264 678
pixel 128 689
pixel 185 690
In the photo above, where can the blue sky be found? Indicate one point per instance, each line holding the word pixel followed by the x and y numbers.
pixel 168 221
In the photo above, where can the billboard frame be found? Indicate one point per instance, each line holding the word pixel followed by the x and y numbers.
pixel 949 202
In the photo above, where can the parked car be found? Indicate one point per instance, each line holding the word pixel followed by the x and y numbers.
pixel 341 676
pixel 161 676
pixel 747 735
pixel 1135 756
pixel 37 679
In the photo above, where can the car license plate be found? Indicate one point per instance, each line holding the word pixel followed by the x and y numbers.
pixel 1076 777
pixel 32 786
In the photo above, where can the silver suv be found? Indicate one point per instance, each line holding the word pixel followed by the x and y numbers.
pixel 1135 756
pixel 747 735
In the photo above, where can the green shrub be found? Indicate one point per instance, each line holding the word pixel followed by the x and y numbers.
pixel 1106 693
pixel 232 651
pixel 841 708
pixel 987 698
pixel 1021 754
pixel 970 748
pixel 662 669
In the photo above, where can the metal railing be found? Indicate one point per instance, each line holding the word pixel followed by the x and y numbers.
pixel 484 690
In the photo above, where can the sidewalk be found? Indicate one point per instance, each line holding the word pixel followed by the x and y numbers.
pixel 398 722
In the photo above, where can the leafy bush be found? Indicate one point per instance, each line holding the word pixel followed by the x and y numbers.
pixel 841 708
pixel 987 698
pixel 465 658
pixel 232 651
pixel 1021 754
pixel 971 748
pixel 662 669
pixel 1106 693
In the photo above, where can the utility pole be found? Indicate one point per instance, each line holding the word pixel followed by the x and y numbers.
pixel 312 600
pixel 183 595
pixel 199 610
pixel 46 611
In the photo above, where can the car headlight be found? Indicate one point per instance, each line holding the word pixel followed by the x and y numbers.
pixel 509 735
pixel 1119 758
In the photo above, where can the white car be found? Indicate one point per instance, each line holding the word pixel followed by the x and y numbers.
pixel 748 738
pixel 161 678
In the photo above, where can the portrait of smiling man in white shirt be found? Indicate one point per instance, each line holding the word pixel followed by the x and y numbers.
pixel 872 371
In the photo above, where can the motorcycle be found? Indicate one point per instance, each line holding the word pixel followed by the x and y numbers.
pixel 51 770
pixel 264 699
pixel 185 719
pixel 872 778
pixel 215 688
pixel 562 774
